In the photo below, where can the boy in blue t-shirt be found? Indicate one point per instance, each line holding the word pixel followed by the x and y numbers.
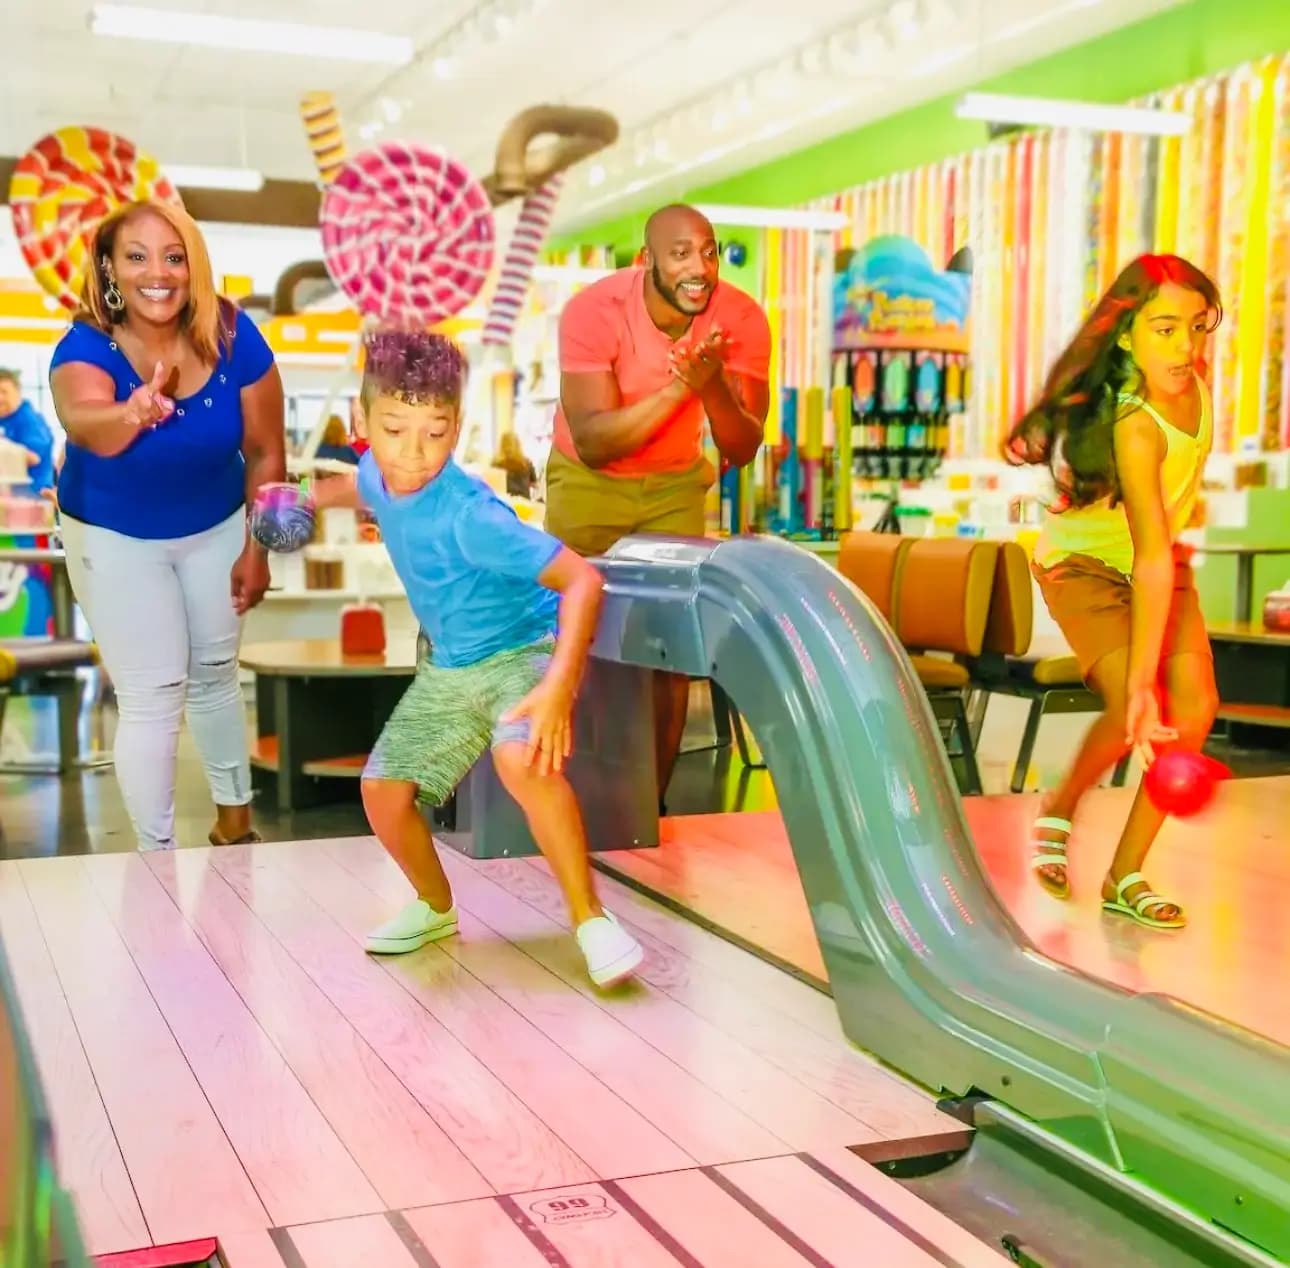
pixel 490 591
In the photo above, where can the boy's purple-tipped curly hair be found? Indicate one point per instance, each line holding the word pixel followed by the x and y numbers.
pixel 414 366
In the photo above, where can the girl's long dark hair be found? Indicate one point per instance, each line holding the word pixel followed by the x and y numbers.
pixel 1071 427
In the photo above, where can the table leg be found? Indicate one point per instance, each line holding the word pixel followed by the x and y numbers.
pixel 64 602
pixel 286 755
pixel 1244 588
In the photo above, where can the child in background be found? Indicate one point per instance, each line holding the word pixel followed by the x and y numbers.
pixel 1125 424
pixel 490 592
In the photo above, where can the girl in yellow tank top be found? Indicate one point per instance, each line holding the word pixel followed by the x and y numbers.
pixel 1125 425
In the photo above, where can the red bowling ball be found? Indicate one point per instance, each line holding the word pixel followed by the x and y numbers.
pixel 1182 783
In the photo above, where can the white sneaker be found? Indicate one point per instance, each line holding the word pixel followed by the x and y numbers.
pixel 417 924
pixel 612 954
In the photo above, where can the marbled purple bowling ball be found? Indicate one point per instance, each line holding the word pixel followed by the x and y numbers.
pixel 282 517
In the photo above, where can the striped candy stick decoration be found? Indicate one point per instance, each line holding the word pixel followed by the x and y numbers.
pixel 1024 160
pixel 1128 204
pixel 319 114
pixel 1036 303
pixel 906 207
pixel 1007 258
pixel 1209 178
pixel 1276 427
pixel 1233 180
pixel 1056 266
pixel 1254 278
pixel 1092 218
pixel 790 308
pixel 949 196
pixel 966 171
pixel 1082 154
pixel 978 235
pixel 1149 189
pixel 1191 166
pixel 775 320
pixel 922 198
pixel 517 268
pixel 1166 233
pixel 1108 248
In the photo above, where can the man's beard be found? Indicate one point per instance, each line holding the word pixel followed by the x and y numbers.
pixel 670 294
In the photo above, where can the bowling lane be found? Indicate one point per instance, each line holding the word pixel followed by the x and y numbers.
pixel 1229 867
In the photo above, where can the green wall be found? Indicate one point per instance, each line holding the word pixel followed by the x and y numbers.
pixel 1198 38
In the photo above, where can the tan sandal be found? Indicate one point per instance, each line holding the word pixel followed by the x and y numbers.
pixel 247 838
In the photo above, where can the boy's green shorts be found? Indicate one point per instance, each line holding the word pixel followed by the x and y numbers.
pixel 448 717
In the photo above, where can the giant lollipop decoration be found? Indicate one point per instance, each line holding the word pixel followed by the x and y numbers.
pixel 407 233
pixel 321 118
pixel 521 257
pixel 63 187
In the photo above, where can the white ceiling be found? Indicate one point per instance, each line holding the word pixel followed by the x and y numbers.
pixel 700 91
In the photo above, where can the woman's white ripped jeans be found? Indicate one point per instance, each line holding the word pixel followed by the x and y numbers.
pixel 162 615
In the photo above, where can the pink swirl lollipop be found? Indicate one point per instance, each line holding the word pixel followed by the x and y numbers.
pixel 407 233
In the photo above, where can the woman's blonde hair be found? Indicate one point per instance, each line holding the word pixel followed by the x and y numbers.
pixel 335 432
pixel 207 319
pixel 510 456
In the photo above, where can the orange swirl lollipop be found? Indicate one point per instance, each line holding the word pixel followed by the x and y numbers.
pixel 63 187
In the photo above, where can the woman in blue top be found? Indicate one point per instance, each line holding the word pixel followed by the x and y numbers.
pixel 173 410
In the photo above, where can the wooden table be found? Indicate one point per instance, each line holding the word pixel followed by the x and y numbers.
pixel 1244 570
pixel 318 713
pixel 1252 670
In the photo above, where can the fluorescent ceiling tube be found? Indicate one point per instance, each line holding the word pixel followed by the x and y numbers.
pixel 240 178
pixel 170 26
pixel 1084 115
pixel 771 217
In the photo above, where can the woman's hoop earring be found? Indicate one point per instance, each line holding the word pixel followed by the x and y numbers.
pixel 113 298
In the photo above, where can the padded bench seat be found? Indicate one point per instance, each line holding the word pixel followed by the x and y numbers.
pixel 21 656
pixel 1046 671
pixel 47 667
pixel 939 673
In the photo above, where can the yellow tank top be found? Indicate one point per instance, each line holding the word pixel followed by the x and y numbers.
pixel 1102 530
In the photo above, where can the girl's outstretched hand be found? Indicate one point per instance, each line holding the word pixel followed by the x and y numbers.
pixel 1144 727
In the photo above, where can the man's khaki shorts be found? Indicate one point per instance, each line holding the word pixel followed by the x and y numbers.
pixel 589 511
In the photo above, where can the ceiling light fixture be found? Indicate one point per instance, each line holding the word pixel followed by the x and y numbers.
pixel 770 217
pixel 1088 116
pixel 243 179
pixel 250 35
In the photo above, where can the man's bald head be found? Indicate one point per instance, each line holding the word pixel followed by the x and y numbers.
pixel 681 257
pixel 673 221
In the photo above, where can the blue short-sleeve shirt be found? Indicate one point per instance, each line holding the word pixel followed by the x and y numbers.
pixel 179 478
pixel 469 565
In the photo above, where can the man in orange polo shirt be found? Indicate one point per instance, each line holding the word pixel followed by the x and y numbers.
pixel 647 355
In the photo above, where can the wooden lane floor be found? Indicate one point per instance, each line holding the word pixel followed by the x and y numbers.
pixel 1228 867
pixel 222 1060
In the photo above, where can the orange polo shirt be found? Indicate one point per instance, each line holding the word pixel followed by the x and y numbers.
pixel 606 327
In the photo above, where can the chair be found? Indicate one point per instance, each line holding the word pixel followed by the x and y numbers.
pixel 1009 664
pixel 935 593
pixel 942 606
